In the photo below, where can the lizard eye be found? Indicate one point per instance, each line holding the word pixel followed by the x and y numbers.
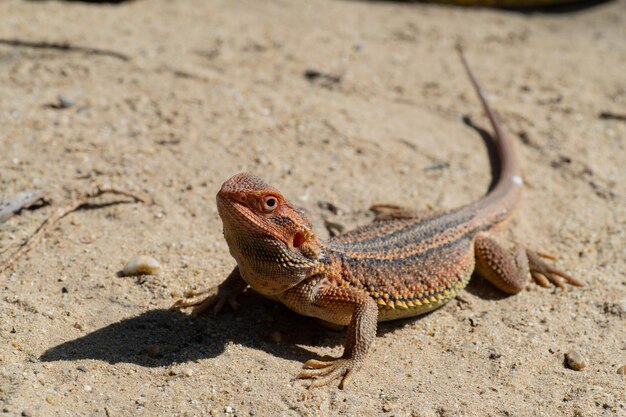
pixel 270 203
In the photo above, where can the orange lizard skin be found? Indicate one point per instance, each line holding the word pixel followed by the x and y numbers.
pixel 400 266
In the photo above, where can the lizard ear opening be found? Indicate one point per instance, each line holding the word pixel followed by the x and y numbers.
pixel 298 239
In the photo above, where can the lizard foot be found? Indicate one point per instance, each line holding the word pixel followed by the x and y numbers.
pixel 509 272
pixel 545 274
pixel 226 292
pixel 329 369
pixel 215 301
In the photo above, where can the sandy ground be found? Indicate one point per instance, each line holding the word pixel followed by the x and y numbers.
pixel 212 88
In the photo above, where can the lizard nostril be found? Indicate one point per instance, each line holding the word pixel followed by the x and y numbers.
pixel 240 198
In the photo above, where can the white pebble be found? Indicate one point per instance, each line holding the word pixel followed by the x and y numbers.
pixel 87 388
pixel 141 265
pixel 575 360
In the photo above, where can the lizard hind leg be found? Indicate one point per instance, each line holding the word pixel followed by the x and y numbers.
pixel 507 272
pixel 510 272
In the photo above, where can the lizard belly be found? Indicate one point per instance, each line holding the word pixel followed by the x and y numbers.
pixel 423 303
pixel 386 313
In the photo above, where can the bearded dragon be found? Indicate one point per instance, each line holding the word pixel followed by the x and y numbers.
pixel 404 264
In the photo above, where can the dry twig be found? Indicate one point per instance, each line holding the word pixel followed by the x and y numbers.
pixel 613 116
pixel 76 204
pixel 66 47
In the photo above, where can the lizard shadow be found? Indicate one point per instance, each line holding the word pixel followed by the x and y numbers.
pixel 162 337
pixel 481 288
pixel 494 161
pixel 555 9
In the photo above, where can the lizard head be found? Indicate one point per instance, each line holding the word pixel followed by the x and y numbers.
pixel 272 240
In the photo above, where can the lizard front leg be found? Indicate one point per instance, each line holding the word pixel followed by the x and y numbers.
pixel 226 292
pixel 510 273
pixel 340 305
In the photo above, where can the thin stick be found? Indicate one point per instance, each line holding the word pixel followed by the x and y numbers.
pixel 76 203
pixel 614 116
pixel 66 47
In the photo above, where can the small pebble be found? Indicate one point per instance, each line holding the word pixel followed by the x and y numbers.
pixel 81 368
pixel 51 400
pixel 153 351
pixel 575 360
pixel 387 408
pixel 262 160
pixel 26 413
pixel 621 370
pixel 65 101
pixel 141 265
pixel 187 372
pixel 437 166
pixel 228 409
pixel 87 388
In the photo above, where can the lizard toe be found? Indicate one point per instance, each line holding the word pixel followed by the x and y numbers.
pixel 317 364
pixel 189 301
pixel 328 378
pixel 543 272
pixel 205 306
pixel 325 372
pixel 541 279
pixel 181 304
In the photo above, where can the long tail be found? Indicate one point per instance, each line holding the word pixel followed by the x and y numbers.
pixel 497 205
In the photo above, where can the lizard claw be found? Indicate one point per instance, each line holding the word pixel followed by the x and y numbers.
pixel 545 274
pixel 324 372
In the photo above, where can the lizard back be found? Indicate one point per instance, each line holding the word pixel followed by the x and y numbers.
pixel 409 267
